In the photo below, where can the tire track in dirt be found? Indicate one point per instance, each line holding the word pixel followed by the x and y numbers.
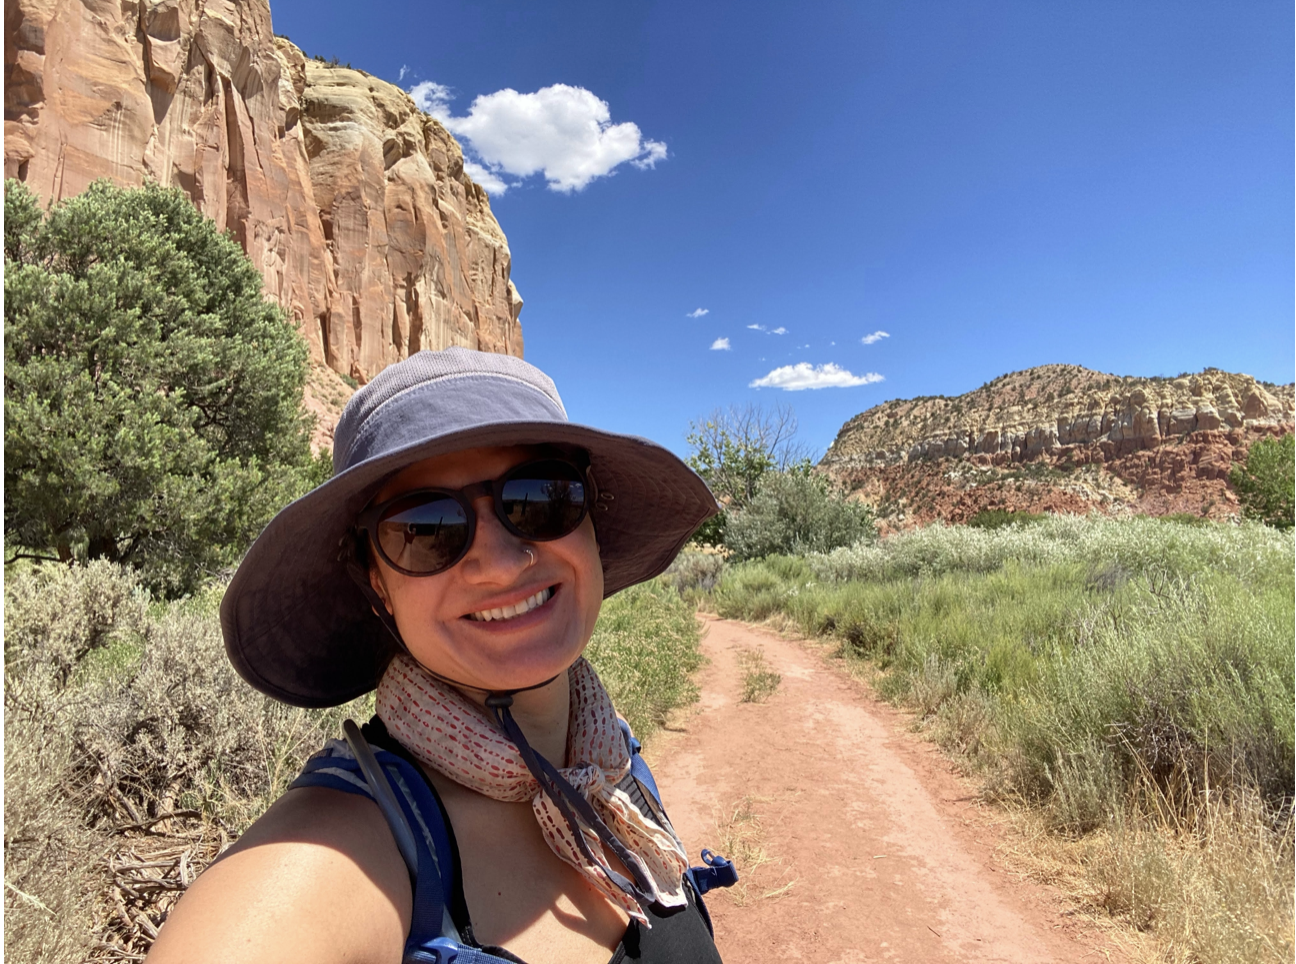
pixel 860 843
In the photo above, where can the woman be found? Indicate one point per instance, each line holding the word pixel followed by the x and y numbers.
pixel 457 561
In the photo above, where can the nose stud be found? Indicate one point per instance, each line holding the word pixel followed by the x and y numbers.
pixel 531 554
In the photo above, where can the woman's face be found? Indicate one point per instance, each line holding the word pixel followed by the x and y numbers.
pixel 435 613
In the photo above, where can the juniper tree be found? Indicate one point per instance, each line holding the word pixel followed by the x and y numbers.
pixel 153 396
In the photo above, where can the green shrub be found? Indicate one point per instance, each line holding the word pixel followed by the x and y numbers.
pixel 712 532
pixel 153 396
pixel 695 571
pixel 1135 545
pixel 795 513
pixel 1266 484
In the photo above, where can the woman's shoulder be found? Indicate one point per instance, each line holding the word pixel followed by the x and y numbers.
pixel 317 877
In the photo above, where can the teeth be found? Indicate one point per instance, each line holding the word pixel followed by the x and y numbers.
pixel 508 612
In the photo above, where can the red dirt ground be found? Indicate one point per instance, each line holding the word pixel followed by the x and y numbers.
pixel 875 850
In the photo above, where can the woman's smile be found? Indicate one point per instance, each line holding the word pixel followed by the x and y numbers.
pixel 509 612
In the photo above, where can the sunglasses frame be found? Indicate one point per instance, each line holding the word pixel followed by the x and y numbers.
pixel 367 522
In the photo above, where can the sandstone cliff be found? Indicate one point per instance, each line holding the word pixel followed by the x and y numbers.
pixel 1060 438
pixel 352 203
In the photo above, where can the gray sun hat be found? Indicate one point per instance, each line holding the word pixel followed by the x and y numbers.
pixel 297 624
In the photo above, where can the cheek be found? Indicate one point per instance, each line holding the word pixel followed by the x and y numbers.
pixel 591 571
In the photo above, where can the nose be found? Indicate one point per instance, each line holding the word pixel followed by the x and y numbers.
pixel 496 555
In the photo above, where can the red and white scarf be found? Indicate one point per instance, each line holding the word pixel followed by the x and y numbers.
pixel 453 735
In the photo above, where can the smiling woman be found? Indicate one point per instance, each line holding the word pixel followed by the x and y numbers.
pixel 456 561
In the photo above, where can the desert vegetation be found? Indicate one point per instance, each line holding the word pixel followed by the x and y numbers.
pixel 134 754
pixel 772 501
pixel 1124 685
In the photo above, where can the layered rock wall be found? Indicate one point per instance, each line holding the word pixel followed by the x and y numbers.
pixel 1060 437
pixel 353 204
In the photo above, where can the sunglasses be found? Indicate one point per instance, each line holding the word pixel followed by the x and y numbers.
pixel 427 531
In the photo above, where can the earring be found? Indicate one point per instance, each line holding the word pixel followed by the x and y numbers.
pixel 531 554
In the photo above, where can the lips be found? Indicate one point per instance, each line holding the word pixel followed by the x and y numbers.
pixel 517 609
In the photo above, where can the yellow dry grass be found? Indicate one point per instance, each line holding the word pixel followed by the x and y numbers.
pixel 761 875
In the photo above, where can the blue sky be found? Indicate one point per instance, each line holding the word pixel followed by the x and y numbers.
pixel 993 185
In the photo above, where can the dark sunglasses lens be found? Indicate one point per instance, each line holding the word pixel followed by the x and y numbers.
pixel 545 500
pixel 422 533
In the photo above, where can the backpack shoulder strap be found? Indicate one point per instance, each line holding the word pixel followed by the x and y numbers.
pixel 413 812
pixel 717 871
pixel 638 766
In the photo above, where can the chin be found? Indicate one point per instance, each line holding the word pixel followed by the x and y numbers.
pixel 513 671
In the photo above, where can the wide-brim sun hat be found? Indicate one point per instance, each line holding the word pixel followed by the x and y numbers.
pixel 298 626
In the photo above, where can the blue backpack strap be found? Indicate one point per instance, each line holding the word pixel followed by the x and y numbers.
pixel 717 871
pixel 638 766
pixel 336 768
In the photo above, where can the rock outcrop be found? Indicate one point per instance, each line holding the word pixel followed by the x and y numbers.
pixel 1060 438
pixel 353 204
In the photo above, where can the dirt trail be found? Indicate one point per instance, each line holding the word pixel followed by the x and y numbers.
pixel 872 849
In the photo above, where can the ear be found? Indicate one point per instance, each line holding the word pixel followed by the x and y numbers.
pixel 380 587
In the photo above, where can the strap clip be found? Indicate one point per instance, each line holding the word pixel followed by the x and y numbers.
pixel 718 872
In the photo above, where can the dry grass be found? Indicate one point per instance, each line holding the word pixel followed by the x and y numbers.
pixel 759 681
pixel 761 876
pixel 1217 892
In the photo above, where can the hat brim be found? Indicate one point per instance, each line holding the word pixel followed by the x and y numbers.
pixel 300 630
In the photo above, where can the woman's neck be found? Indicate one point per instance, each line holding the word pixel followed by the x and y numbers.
pixel 543 715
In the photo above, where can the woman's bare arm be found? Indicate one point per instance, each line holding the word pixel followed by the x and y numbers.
pixel 318 878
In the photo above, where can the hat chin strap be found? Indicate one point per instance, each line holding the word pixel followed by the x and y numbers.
pixel 576 810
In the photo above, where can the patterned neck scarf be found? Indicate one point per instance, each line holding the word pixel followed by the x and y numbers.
pixel 456 737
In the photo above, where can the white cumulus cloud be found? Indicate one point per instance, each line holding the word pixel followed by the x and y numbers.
pixel 564 133
pixel 757 327
pixel 780 330
pixel 720 344
pixel 794 378
pixel 698 312
pixel 874 338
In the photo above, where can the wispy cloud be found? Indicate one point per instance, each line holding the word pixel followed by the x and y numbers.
pixel 756 327
pixel 432 98
pixel 403 71
pixel 564 133
pixel 698 312
pixel 795 378
pixel 874 338
pixel 780 330
pixel 720 344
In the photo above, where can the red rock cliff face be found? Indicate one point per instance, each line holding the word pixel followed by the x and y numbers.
pixel 352 203
pixel 1060 438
